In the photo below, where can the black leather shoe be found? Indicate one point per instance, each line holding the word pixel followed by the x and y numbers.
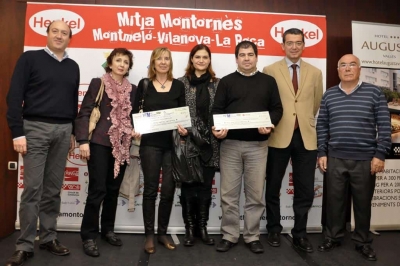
pixel 224 245
pixel 256 246
pixel 90 248
pixel 188 240
pixel 328 245
pixel 367 252
pixel 303 244
pixel 205 238
pixel 112 238
pixel 55 247
pixel 274 239
pixel 18 258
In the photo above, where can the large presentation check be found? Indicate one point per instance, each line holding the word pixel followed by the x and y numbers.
pixel 162 120
pixel 242 120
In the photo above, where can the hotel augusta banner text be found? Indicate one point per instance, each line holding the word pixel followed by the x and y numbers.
pixel 99 29
pixel 378 47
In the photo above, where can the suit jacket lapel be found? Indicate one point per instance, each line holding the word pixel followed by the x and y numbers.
pixel 303 76
pixel 283 68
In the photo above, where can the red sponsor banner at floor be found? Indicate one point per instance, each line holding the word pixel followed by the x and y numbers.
pixel 71 174
pixel 144 28
pixel 21 172
pixel 71 187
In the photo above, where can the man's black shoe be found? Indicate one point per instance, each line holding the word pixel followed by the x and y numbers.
pixel 274 239
pixel 55 247
pixel 302 244
pixel 328 245
pixel 224 245
pixel 256 246
pixel 18 258
pixel 90 248
pixel 367 252
pixel 112 238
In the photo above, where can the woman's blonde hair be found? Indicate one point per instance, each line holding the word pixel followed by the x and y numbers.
pixel 157 53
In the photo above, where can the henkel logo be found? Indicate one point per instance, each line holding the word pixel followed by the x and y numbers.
pixel 312 33
pixel 71 174
pixel 41 20
pixel 291 179
pixel 75 158
pixel 83 87
pixel 71 187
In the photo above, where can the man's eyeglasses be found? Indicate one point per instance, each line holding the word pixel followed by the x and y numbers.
pixel 350 65
pixel 290 44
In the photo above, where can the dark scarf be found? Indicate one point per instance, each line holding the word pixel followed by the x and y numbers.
pixel 202 112
pixel 202 95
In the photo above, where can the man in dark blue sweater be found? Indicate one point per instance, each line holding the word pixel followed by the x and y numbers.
pixel 244 151
pixel 42 105
pixel 353 133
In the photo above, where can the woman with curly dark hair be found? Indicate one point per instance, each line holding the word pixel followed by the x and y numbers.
pixel 107 151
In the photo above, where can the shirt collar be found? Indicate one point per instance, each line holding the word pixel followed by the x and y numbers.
pixel 251 74
pixel 47 50
pixel 290 63
pixel 353 90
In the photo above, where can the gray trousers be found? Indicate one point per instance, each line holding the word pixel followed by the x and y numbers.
pixel 247 159
pixel 44 166
pixel 341 175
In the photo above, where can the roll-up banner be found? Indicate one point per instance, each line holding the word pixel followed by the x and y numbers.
pixel 378 48
pixel 98 29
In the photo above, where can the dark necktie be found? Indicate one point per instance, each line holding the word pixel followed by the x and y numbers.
pixel 296 87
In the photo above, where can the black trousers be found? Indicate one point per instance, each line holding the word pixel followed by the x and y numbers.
pixel 339 176
pixel 103 188
pixel 304 163
pixel 152 160
pixel 200 190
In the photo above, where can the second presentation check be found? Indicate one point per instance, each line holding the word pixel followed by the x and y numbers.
pixel 242 120
pixel 162 120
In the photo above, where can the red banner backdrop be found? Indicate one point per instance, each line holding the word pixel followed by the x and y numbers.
pixel 99 29
pixel 180 29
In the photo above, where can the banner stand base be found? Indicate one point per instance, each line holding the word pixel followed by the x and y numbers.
pixel 389 227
